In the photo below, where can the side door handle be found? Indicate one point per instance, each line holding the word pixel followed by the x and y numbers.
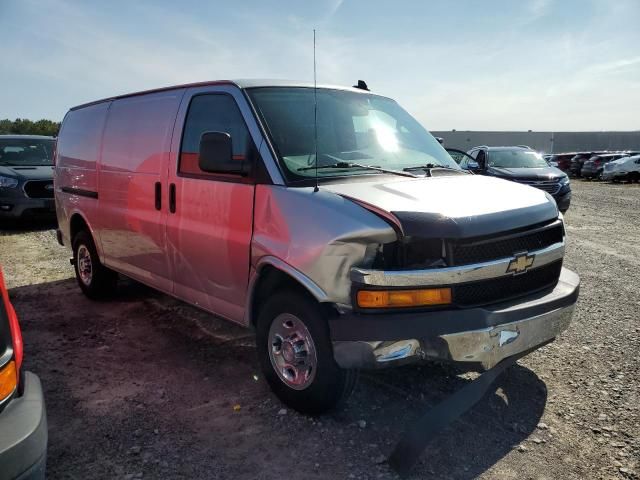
pixel 158 196
pixel 172 198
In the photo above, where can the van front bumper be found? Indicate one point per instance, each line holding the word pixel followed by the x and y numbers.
pixel 482 336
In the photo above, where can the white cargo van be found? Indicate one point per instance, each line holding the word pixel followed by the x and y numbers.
pixel 351 240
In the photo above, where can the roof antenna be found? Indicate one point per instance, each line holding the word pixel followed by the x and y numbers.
pixel 315 108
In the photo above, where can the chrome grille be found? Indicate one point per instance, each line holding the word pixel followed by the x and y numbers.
pixel 549 186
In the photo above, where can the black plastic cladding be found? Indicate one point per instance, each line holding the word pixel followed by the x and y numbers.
pixel 480 249
pixel 480 293
pixel 465 252
pixel 508 287
pixel 417 252
pixel 38 188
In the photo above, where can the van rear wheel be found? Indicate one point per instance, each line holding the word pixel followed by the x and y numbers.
pixel 95 280
pixel 296 356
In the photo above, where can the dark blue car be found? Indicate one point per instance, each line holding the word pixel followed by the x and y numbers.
pixel 523 165
pixel 26 176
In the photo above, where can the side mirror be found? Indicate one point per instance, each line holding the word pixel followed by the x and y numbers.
pixel 440 140
pixel 215 155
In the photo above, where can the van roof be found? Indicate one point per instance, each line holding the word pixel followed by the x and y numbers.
pixel 240 83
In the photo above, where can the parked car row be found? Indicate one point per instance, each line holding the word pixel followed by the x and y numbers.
pixel 589 165
pixel 26 171
pixel 625 168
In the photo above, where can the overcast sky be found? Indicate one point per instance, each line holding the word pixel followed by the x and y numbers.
pixel 479 65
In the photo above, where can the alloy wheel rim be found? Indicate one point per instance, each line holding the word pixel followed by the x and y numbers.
pixel 85 266
pixel 292 351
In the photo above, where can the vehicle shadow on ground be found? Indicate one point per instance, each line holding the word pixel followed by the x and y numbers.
pixel 16 227
pixel 473 443
pixel 116 372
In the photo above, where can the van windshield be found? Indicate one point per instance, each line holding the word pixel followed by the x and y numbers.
pixel 352 128
pixel 16 152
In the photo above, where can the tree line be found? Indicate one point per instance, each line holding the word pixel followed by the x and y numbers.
pixel 22 126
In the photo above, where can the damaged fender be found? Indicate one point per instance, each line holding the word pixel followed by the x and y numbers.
pixel 319 234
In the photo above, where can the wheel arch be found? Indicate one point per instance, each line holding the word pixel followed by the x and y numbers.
pixel 77 223
pixel 272 274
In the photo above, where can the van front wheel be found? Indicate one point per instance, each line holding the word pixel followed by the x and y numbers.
pixel 296 356
pixel 95 280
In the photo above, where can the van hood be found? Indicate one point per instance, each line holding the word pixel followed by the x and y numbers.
pixel 27 172
pixel 456 206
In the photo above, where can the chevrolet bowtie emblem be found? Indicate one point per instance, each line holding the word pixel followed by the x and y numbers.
pixel 520 263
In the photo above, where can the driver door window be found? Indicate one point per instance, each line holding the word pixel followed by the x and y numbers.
pixel 212 113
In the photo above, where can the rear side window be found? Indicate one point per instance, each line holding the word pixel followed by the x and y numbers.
pixel 80 135
pixel 212 113
pixel 138 132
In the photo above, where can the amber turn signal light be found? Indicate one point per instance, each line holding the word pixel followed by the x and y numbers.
pixel 403 298
pixel 8 380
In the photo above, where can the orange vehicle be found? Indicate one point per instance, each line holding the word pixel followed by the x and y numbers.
pixel 23 420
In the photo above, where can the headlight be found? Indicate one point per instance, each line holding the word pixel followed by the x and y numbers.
pixel 564 181
pixel 8 182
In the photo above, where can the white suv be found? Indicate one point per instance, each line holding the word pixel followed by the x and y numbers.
pixel 627 168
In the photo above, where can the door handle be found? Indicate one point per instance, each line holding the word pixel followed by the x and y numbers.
pixel 158 196
pixel 172 198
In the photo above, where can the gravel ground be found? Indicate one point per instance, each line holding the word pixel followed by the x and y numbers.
pixel 144 386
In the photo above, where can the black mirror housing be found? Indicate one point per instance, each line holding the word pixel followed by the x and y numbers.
pixel 216 154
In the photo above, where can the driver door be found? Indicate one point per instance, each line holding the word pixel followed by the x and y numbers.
pixel 209 225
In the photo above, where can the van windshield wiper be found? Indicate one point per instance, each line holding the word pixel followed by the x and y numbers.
pixel 347 165
pixel 431 166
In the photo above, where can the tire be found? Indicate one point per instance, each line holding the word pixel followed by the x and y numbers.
pixel 634 177
pixel 95 280
pixel 281 337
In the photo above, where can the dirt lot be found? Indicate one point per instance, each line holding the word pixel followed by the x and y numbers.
pixel 144 386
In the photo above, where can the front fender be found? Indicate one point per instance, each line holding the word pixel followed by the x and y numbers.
pixel 319 235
